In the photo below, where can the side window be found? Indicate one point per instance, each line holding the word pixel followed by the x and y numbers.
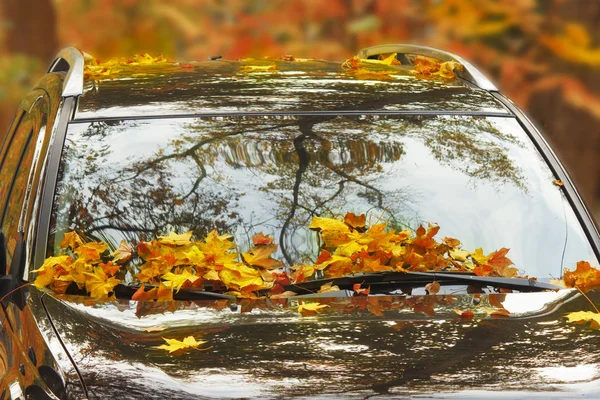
pixel 14 172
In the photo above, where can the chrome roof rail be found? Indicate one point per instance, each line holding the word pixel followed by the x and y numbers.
pixel 71 61
pixel 470 73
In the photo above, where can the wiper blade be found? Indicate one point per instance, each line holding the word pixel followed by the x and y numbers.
pixel 396 280
pixel 126 291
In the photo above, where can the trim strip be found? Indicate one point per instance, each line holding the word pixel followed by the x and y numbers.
pixel 508 113
pixel 50 178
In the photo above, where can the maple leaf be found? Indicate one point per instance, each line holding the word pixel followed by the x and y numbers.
pixel 261 257
pixel 465 315
pixel 91 251
pixel 361 291
pixel 356 221
pixel 160 293
pixel 180 346
pixel 258 68
pixel 71 240
pixel 365 74
pixel 328 287
pixel 581 317
pixel 47 272
pixel 433 287
pixel 175 281
pixel 452 242
pixel 123 253
pixel 283 295
pixel 99 285
pixel 328 224
pixel 311 308
pixel 175 239
pixel 239 276
pixel 584 277
pixel 262 239
pixel 109 268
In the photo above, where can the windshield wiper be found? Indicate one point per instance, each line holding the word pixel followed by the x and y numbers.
pixel 126 291
pixel 397 280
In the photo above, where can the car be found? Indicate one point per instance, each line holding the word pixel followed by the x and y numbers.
pixel 274 228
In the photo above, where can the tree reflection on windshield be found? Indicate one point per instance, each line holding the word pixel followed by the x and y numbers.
pixel 137 179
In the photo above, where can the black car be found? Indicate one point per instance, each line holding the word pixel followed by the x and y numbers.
pixel 263 154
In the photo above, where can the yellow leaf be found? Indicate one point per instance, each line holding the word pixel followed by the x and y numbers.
pixel 91 251
pixel 188 343
pixel 581 317
pixel 314 307
pixel 123 253
pixel 239 276
pixel 328 224
pixel 478 256
pixel 261 257
pixel 459 255
pixel 71 239
pixel 175 281
pixel 328 287
pixel 98 284
pixel 212 275
pixel 47 272
pixel 258 68
pixel 175 239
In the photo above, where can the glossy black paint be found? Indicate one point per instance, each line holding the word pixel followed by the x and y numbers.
pixel 225 87
pixel 382 347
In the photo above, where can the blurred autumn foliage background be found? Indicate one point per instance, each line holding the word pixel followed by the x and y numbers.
pixel 544 54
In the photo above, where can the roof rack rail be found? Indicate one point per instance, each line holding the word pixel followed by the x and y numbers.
pixel 470 73
pixel 71 61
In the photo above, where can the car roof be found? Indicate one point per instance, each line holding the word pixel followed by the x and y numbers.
pixel 268 86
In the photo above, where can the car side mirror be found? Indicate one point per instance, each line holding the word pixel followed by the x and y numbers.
pixel 10 282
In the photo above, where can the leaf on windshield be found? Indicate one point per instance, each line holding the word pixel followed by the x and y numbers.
pixel 99 284
pixel 261 257
pixel 328 287
pixel 584 277
pixel 261 239
pixel 181 346
pixel 71 240
pixel 176 281
pixel 123 253
pixel 175 239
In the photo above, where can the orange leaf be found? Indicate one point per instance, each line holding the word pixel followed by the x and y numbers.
pixel 262 239
pixel 361 291
pixel 356 221
pixel 261 257
pixel 433 287
pixel 584 277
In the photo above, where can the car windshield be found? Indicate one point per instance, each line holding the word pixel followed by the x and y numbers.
pixel 479 178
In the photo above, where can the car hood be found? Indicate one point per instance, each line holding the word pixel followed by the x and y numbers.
pixel 376 346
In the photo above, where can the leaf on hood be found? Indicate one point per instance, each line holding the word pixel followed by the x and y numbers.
pixel 181 346
pixel 311 308
pixel 581 317
pixel 433 287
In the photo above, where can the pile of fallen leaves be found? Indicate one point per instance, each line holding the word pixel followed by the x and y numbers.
pixel 96 69
pixel 350 247
pixel 173 262
pixel 379 69
pixel 170 263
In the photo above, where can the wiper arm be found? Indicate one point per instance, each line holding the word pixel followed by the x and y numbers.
pixel 126 291
pixel 394 280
